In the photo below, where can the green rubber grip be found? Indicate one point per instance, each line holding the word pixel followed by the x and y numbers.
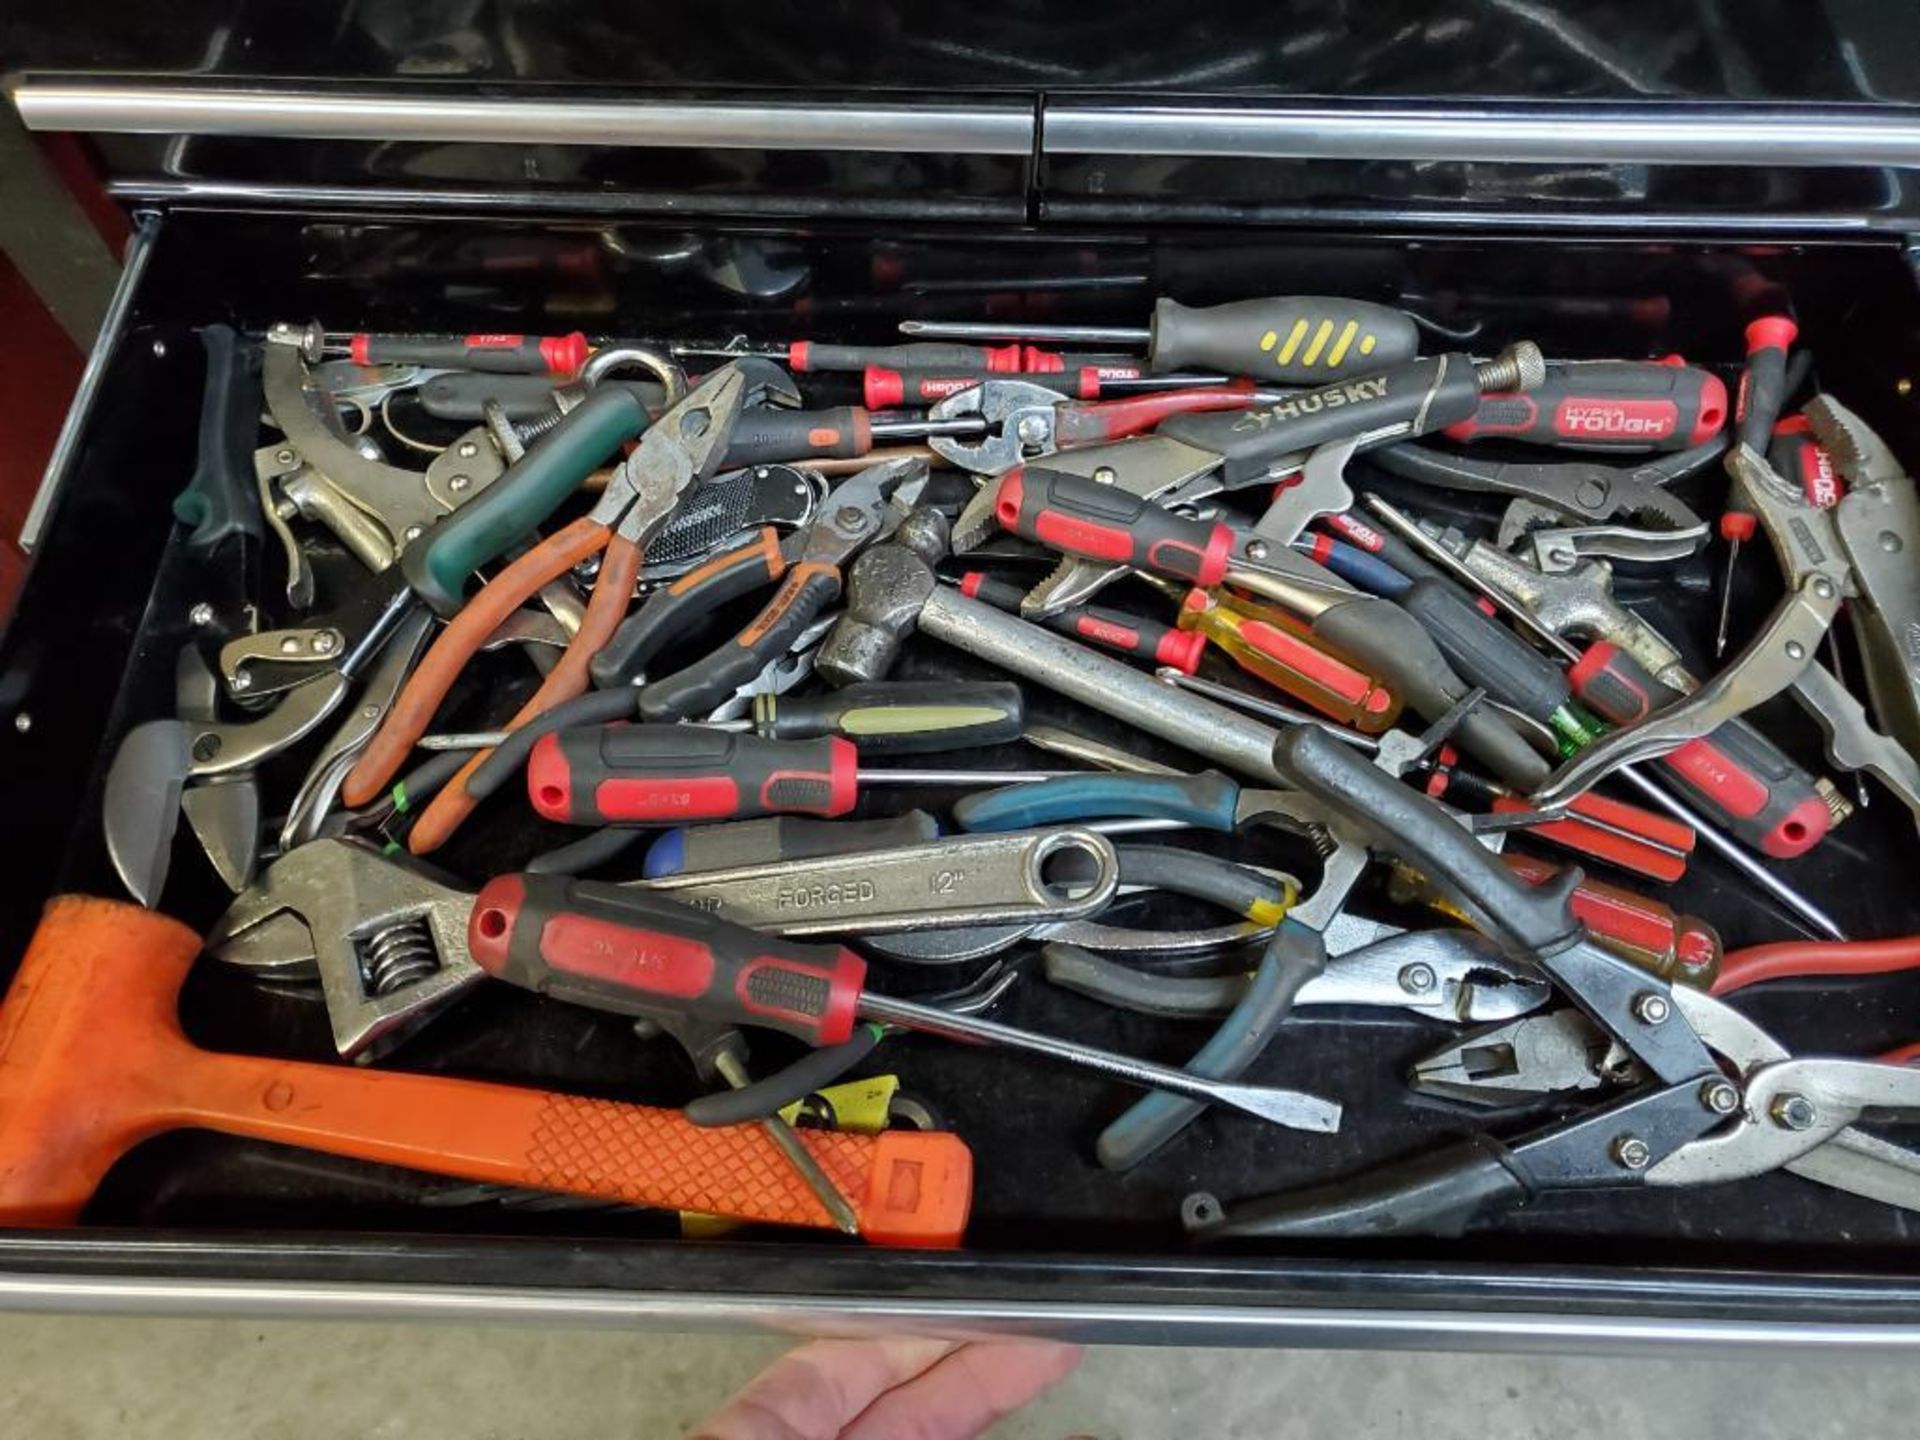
pixel 509 510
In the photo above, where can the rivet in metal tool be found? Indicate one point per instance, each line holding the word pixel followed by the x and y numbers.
pixel 1795 1112
pixel 1720 1096
pixel 1417 979
pixel 1652 1008
pixel 1630 1152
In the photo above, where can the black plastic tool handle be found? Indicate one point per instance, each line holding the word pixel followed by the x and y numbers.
pixel 898 717
pixel 1623 405
pixel 670 609
pixel 1745 782
pixel 1388 642
pixel 1081 517
pixel 1292 339
pixel 805 590
pixel 810 357
pixel 636 953
pixel 1420 394
pixel 673 774
pixel 1485 652
pixel 766 435
pixel 1526 920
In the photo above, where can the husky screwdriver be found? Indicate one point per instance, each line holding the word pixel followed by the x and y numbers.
pixel 626 951
pixel 672 774
pixel 1293 338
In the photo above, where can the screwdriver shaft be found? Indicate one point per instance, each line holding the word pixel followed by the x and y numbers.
pixel 1005 330
pixel 1292 1108
pixel 845 1220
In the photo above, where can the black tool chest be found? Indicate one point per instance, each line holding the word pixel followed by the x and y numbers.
pixel 1519 178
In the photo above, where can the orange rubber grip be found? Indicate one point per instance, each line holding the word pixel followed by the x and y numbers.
pixel 612 594
pixel 93 1061
pixel 414 708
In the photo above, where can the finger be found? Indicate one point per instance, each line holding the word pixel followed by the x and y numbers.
pixel 967 1391
pixel 810 1393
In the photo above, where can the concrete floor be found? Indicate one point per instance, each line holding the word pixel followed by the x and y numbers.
pixel 72 1379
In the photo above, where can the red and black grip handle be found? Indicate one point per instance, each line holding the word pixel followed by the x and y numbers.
pixel 558 355
pixel 678 774
pixel 1626 405
pixel 810 357
pixel 805 590
pixel 766 436
pixel 636 953
pixel 886 388
pixel 668 610
pixel 1802 460
pixel 1099 522
pixel 1742 779
pixel 1097 625
pixel 1763 384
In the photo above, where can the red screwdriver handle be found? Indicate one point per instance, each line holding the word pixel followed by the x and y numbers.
pixel 1763 384
pixel 675 774
pixel 1606 405
pixel 1084 424
pixel 1099 522
pixel 1742 779
pixel 560 356
pixel 636 953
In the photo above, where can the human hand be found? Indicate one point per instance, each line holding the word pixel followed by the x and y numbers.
pixel 890 1390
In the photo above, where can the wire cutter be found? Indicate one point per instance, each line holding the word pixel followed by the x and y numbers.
pixel 682 448
pixel 807 565
pixel 1585 489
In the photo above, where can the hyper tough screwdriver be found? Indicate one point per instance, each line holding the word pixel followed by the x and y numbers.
pixel 1294 338
pixel 632 953
pixel 672 774
pixel 1621 405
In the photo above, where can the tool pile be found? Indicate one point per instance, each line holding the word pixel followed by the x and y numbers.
pixel 732 716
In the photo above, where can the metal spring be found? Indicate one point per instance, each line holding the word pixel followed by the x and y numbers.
pixel 1322 840
pixel 399 956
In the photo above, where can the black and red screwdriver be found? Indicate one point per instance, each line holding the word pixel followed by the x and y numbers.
pixel 560 356
pixel 634 953
pixel 1620 405
pixel 812 357
pixel 1744 781
pixel 1763 386
pixel 674 774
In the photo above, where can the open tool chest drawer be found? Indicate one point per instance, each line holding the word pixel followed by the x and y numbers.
pixel 1684 240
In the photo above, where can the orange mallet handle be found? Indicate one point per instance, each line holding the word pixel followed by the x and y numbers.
pixel 92 1061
